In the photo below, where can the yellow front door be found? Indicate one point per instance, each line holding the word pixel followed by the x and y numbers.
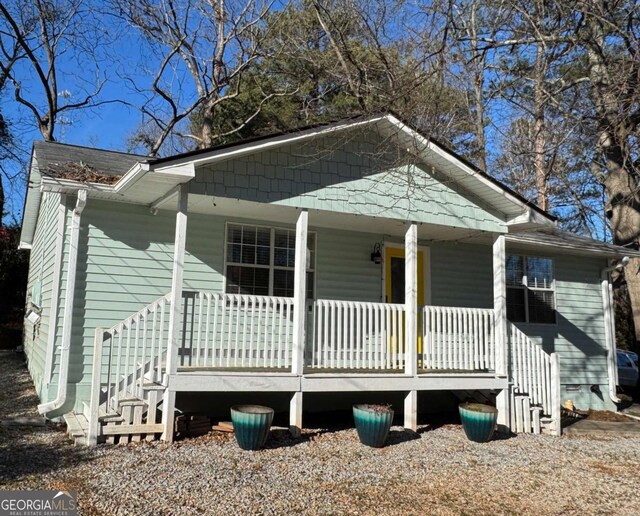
pixel 394 275
pixel 394 282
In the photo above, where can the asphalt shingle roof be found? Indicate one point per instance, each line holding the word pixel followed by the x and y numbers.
pixel 60 159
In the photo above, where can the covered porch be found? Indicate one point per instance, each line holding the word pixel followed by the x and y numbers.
pixel 205 340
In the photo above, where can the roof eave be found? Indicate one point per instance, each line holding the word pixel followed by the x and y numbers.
pixel 582 249
pixel 522 207
pixel 260 144
pixel 31 203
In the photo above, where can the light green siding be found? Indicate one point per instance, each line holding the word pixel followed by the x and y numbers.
pixel 344 267
pixel 357 175
pixel 41 273
pixel 461 275
pixel 578 336
pixel 125 263
pixel 126 256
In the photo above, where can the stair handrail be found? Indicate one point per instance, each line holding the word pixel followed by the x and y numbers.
pixel 535 373
pixel 100 337
pixel 131 318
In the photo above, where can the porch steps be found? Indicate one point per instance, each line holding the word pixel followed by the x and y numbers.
pixel 77 427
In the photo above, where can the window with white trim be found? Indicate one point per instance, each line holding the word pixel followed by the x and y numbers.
pixel 260 260
pixel 530 290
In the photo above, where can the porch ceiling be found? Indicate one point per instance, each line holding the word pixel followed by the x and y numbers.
pixel 269 213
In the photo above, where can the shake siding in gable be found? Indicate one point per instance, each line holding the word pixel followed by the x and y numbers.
pixel 41 272
pixel 360 176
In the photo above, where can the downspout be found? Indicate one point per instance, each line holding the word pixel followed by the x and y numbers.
pixel 609 325
pixel 68 308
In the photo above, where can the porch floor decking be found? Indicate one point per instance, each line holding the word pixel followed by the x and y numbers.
pixel 330 371
pixel 245 379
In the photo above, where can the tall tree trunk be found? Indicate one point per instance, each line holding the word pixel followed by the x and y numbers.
pixel 623 196
pixel 539 165
pixel 206 128
pixel 479 123
pixel 623 210
pixel 478 70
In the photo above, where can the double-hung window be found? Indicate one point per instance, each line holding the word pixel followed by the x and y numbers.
pixel 530 290
pixel 260 260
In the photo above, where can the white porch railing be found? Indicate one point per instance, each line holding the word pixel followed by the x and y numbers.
pixel 535 379
pixel 230 330
pixel 457 338
pixel 135 349
pixel 127 355
pixel 356 335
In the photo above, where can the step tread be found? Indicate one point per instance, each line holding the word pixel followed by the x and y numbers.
pixel 103 416
pixel 152 386
pixel 131 402
pixel 74 427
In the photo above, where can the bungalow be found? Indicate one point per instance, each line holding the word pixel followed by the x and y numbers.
pixel 351 257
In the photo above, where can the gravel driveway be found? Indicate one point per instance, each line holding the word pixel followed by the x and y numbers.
pixel 326 471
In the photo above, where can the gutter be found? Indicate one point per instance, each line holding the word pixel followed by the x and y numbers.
pixel 61 397
pixel 609 325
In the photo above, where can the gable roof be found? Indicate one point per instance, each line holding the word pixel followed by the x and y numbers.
pixel 195 154
pixel 133 178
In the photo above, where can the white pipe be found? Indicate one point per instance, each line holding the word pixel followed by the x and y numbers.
pixel 68 308
pixel 609 325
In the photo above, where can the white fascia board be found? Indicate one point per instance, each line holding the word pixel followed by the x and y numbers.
pixel 425 145
pixel 573 249
pixel 530 217
pixel 134 174
pixel 31 208
pixel 183 172
pixel 30 217
pixel 252 147
pixel 53 184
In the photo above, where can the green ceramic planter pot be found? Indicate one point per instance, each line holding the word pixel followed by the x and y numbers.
pixel 251 424
pixel 478 421
pixel 372 424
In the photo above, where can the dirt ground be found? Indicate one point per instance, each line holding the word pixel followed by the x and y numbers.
pixel 326 471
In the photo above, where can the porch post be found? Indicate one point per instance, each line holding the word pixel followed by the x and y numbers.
pixel 169 397
pixel 299 306
pixel 500 328
pixel 500 304
pixel 411 318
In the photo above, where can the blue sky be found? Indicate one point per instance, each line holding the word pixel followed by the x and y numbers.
pixel 106 126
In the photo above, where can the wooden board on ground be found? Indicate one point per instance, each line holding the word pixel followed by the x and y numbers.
pixel 223 426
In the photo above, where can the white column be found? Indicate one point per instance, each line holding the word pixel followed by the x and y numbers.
pixel 411 411
pixel 411 299
pixel 299 319
pixel 169 397
pixel 300 293
pixel 504 410
pixel 500 304
pixel 295 414
pixel 96 384
pixel 556 396
pixel 411 322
